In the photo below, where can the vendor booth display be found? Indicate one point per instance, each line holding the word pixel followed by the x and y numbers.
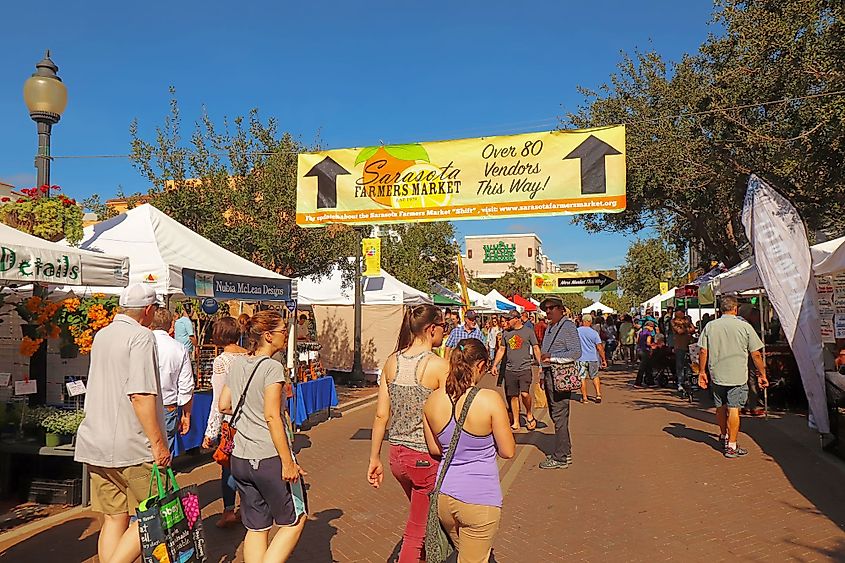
pixel 501 303
pixel 33 437
pixel 332 302
pixel 524 303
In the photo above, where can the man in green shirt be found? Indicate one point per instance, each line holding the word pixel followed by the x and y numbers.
pixel 725 344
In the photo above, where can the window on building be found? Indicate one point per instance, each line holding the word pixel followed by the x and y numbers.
pixel 469 254
pixel 530 252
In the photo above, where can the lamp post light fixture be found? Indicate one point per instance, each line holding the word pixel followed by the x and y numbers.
pixel 46 97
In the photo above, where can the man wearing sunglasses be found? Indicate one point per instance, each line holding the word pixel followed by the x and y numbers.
pixel 560 343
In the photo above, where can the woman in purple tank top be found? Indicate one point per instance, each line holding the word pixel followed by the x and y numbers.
pixel 470 503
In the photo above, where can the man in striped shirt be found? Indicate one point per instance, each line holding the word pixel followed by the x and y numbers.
pixel 561 343
pixel 467 330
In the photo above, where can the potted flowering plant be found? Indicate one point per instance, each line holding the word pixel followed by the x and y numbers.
pixel 81 318
pixel 41 319
pixel 61 425
pixel 51 217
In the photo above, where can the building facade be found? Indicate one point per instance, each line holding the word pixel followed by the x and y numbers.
pixel 490 256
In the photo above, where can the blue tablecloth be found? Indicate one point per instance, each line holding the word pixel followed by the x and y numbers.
pixel 311 397
pixel 199 421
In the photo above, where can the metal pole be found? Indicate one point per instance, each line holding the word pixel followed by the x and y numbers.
pixel 763 338
pixel 356 378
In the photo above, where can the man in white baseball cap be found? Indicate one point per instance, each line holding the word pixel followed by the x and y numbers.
pixel 123 432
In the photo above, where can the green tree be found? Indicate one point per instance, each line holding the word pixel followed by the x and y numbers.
pixel 647 263
pixel 621 303
pixel 575 301
pixel 417 253
pixel 517 279
pixel 689 159
pixel 236 186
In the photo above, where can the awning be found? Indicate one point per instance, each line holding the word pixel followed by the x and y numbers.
pixel 25 259
pixel 525 303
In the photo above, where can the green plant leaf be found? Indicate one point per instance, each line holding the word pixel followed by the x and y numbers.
pixel 413 151
pixel 365 154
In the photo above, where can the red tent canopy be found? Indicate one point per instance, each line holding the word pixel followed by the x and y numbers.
pixel 521 301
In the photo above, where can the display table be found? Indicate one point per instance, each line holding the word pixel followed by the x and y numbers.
pixel 312 396
pixel 12 449
pixel 199 422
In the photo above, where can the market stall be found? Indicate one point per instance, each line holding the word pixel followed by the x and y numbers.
pixel 524 303
pixel 501 303
pixel 180 264
pixel 598 306
pixel 332 302
pixel 32 437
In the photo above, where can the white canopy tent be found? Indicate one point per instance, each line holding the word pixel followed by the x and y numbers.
pixel 177 261
pixel 656 302
pixel 479 302
pixel 500 302
pixel 26 259
pixel 829 257
pixel 332 301
pixel 383 290
pixel 598 306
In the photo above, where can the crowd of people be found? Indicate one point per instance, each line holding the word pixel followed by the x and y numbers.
pixel 430 408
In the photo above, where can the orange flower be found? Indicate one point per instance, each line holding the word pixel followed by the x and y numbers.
pixel 33 303
pixel 29 345
pixel 71 305
pixel 99 295
pixel 54 331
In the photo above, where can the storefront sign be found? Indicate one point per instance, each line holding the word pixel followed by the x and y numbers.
pixel 529 175
pixel 574 282
pixel 29 265
pixel 499 253
pixel 371 249
pixel 225 286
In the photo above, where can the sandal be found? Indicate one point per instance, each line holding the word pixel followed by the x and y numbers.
pixel 531 424
pixel 584 400
pixel 598 399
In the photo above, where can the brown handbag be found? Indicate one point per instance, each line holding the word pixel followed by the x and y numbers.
pixel 223 452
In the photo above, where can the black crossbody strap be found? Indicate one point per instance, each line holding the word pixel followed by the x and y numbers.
pixel 459 426
pixel 236 413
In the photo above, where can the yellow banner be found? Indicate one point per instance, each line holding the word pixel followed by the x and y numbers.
pixel 574 282
pixel 664 287
pixel 533 174
pixel 371 248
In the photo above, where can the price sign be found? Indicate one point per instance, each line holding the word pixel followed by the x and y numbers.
pixel 5 379
pixel 75 388
pixel 26 387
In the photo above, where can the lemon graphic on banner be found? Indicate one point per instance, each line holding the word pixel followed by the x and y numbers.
pixel 390 162
pixel 421 192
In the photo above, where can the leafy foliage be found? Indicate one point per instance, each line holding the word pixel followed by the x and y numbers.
pixel 620 303
pixel 517 279
pixel 647 263
pixel 419 252
pixel 687 173
pixel 236 186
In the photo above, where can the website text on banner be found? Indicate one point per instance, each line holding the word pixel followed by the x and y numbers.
pixel 533 174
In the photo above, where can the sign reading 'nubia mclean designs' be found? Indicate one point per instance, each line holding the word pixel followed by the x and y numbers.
pixel 534 174
pixel 29 265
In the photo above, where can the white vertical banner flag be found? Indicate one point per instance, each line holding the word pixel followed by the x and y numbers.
pixel 783 259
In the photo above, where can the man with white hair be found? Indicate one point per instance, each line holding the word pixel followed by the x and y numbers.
pixel 123 432
pixel 176 375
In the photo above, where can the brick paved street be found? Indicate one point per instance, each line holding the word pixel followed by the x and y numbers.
pixel 647 484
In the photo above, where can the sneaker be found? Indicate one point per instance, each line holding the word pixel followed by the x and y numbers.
pixel 724 443
pixel 734 452
pixel 552 463
pixel 568 459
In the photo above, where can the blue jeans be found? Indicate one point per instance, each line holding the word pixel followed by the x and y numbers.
pixel 227 488
pixel 680 367
pixel 171 425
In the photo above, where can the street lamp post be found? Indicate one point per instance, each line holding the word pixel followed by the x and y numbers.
pixel 46 97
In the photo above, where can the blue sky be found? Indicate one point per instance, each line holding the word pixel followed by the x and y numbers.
pixel 356 74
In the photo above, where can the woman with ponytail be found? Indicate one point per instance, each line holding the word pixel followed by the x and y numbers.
pixel 470 500
pixel 409 376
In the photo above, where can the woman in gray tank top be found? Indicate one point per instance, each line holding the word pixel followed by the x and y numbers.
pixel 409 376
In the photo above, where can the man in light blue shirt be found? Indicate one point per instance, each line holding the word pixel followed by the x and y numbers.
pixel 183 330
pixel 592 357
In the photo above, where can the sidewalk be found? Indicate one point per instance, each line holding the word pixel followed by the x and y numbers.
pixel 647 484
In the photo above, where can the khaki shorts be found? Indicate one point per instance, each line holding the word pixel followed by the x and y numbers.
pixel 119 490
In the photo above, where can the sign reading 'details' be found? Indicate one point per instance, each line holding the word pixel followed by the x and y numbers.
pixel 227 286
pixel 35 265
pixel 499 253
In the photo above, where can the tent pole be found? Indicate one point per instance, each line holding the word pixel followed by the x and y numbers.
pixel 763 338
pixel 356 378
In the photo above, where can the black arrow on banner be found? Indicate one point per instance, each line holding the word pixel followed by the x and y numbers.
pixel 326 172
pixel 593 173
pixel 599 280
